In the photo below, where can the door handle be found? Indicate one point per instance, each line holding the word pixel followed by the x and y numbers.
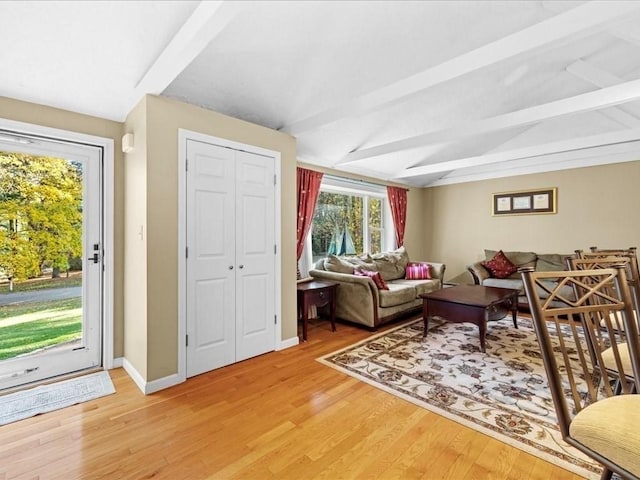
pixel 241 266
pixel 230 267
pixel 95 258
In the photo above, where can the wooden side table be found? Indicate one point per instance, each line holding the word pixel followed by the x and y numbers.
pixel 318 293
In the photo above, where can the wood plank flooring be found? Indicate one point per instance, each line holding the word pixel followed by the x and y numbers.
pixel 282 415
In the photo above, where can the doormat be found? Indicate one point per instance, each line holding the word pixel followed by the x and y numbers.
pixel 46 398
pixel 502 393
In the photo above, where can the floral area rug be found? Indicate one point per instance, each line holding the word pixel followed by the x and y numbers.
pixel 502 393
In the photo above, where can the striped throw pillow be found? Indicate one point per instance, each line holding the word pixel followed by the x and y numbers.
pixel 417 271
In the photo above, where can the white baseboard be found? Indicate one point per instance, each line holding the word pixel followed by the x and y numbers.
pixel 116 362
pixel 154 385
pixel 162 383
pixel 288 343
pixel 133 373
pixel 174 379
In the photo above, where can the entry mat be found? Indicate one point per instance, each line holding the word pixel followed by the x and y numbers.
pixel 46 398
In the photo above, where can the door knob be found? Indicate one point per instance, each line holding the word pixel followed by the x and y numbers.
pixel 230 267
pixel 241 266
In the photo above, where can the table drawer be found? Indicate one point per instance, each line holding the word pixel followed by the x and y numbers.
pixel 320 297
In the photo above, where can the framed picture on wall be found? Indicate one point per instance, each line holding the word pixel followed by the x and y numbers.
pixel 525 202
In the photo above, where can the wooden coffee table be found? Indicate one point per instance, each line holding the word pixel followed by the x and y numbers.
pixel 468 303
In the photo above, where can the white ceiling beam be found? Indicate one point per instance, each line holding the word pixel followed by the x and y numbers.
pixel 606 155
pixel 633 39
pixel 601 78
pixel 205 23
pixel 560 27
pixel 594 75
pixel 562 146
pixel 605 97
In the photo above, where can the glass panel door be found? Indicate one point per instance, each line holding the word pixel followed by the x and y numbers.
pixel 50 258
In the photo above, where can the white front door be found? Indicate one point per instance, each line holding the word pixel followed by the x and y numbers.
pixel 50 223
pixel 231 259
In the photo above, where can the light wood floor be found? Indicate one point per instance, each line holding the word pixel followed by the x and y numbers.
pixel 281 415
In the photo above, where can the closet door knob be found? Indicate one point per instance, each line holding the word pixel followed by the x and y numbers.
pixel 230 267
pixel 240 266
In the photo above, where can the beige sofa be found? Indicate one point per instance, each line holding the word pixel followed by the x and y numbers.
pixel 358 298
pixel 548 262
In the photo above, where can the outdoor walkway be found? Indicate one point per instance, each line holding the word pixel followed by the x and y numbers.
pixel 42 295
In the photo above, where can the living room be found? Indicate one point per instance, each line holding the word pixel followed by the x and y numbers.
pixel 449 223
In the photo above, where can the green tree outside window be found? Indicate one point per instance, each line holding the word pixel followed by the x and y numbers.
pixel 40 214
pixel 338 224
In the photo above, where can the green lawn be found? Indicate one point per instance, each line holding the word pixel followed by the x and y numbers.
pixel 28 327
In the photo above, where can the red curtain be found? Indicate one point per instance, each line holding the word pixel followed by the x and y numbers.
pixel 308 184
pixel 398 202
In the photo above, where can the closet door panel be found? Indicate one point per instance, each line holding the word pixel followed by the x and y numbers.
pixel 211 242
pixel 255 292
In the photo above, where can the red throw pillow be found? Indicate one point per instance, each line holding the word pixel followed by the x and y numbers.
pixel 375 276
pixel 417 271
pixel 500 266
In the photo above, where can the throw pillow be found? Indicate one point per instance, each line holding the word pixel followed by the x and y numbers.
pixel 375 276
pixel 500 266
pixel 417 271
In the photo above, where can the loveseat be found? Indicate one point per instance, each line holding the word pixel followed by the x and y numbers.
pixel 359 298
pixel 484 273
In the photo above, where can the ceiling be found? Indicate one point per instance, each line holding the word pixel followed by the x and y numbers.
pixel 418 93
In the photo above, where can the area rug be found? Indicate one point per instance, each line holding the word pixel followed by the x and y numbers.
pixel 502 393
pixel 45 398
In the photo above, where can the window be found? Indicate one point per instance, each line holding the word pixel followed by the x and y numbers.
pixel 350 219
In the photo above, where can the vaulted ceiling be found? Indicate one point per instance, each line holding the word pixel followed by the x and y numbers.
pixel 421 93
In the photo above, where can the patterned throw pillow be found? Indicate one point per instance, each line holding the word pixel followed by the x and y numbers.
pixel 500 266
pixel 417 271
pixel 375 276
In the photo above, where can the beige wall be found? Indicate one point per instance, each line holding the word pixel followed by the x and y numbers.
pixel 64 120
pixel 416 241
pixel 164 118
pixel 136 241
pixel 596 206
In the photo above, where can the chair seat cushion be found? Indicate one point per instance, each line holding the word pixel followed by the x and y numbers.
pixel 609 359
pixel 611 427
pixel 616 321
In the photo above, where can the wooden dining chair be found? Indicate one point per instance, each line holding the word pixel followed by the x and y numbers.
pixel 611 336
pixel 613 251
pixel 633 270
pixel 590 415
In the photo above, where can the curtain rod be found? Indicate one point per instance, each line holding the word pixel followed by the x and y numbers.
pixel 357 181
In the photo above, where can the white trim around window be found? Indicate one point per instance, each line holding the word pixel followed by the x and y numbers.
pixel 352 187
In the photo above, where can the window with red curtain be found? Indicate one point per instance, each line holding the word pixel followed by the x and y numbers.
pixel 308 186
pixel 398 203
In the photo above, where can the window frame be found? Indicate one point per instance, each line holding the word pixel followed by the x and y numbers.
pixel 366 190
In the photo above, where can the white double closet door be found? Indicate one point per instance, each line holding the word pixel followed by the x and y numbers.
pixel 231 256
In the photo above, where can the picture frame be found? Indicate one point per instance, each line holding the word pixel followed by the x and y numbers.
pixel 525 202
